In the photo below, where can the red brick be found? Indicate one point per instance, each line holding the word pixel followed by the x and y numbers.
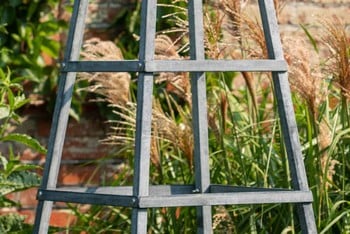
pixel 84 148
pixel 8 210
pixel 27 198
pixel 103 34
pixel 77 175
pixel 29 214
pixel 29 155
pixel 59 217
pixel 62 218
pixel 85 127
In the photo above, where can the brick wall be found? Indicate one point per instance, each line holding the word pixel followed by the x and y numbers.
pixel 101 16
pixel 82 141
pixel 82 146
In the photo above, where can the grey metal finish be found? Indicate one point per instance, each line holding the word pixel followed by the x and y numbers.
pixel 160 190
pixel 202 195
pixel 144 115
pixel 199 114
pixel 174 197
pixel 176 66
pixel 61 113
pixel 88 196
pixel 237 198
pixel 286 112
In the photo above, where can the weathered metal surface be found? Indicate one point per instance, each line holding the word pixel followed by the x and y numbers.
pixel 237 198
pixel 262 65
pixel 88 196
pixel 61 114
pixel 144 115
pixel 199 114
pixel 286 112
pixel 127 190
pixel 165 198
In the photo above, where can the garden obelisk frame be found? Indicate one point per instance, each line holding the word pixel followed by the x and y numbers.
pixel 202 194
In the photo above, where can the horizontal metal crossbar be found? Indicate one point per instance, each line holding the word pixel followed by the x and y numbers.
pixel 174 196
pixel 263 65
pixel 127 190
pixel 238 198
pixel 234 189
pixel 89 196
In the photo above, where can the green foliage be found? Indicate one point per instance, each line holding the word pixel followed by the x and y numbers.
pixel 26 33
pixel 27 30
pixel 11 100
pixel 25 140
pixel 13 223
pixel 14 175
pixel 310 37
pixel 126 40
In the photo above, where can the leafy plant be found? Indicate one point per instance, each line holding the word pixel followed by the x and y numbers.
pixel 26 38
pixel 30 44
pixel 14 175
pixel 13 223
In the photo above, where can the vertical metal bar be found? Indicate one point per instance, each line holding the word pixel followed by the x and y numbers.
pixel 144 114
pixel 199 113
pixel 60 116
pixel 287 116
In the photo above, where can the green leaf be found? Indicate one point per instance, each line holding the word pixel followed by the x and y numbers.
pixel 311 38
pixel 50 47
pixel 22 30
pixel 16 37
pixel 13 223
pixel 3 28
pixel 17 166
pixel 20 101
pixel 15 117
pixel 18 80
pixel 4 111
pixel 33 7
pixel 17 181
pixel 2 74
pixel 26 140
pixel 10 98
pixel 74 112
pixel 48 27
pixel 5 202
pixel 3 162
pixel 337 138
pixel 16 86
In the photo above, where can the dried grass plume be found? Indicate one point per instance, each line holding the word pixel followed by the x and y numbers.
pixel 338 44
pixel 113 87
